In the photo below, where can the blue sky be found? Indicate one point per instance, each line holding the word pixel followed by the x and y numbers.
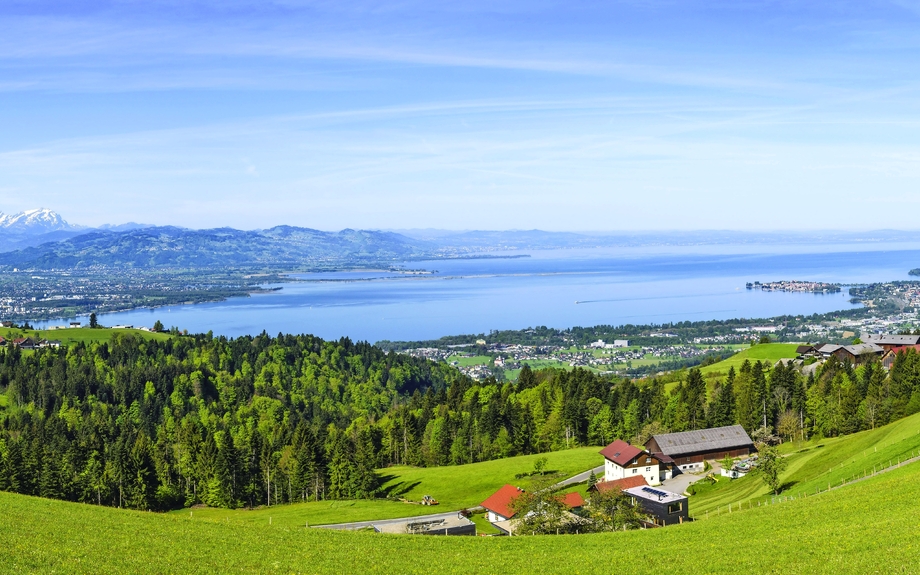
pixel 464 115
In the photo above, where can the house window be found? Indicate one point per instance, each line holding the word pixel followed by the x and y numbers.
pixel 635 470
pixel 647 469
pixel 648 459
pixel 675 507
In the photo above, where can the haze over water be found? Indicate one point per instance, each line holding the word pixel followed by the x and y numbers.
pixel 611 285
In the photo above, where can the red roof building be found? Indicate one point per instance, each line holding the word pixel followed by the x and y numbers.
pixel 573 500
pixel 621 484
pixel 621 452
pixel 624 460
pixel 499 503
pixel 892 354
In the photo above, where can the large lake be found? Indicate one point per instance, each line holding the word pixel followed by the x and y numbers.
pixel 613 286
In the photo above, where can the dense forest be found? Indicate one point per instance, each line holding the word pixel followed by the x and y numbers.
pixel 262 420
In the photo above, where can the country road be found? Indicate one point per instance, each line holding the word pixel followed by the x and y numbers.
pixel 598 471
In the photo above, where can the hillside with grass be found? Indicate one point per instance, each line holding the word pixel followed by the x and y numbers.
pixel 79 335
pixel 54 536
pixel 455 487
pixel 768 353
pixel 817 465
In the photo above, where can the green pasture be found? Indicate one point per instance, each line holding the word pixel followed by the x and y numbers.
pixel 80 334
pixel 868 527
pixel 769 352
pixel 817 464
pixel 455 487
pixel 470 361
pixel 535 364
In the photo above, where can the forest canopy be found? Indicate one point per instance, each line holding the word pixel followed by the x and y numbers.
pixel 267 420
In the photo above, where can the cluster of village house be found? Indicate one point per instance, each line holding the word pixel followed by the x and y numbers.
pixel 884 347
pixel 28 343
pixel 638 473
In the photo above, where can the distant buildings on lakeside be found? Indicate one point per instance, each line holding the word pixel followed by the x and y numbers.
pixel 795 286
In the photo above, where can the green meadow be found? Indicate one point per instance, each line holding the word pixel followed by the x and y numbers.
pixel 80 334
pixel 469 361
pixel 868 527
pixel 768 352
pixel 818 464
pixel 455 487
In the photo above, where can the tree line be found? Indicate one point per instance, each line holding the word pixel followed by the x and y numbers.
pixel 267 420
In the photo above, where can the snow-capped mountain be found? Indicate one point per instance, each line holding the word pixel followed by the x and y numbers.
pixel 34 222
pixel 35 227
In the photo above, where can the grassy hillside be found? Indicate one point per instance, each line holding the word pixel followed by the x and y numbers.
pixel 817 464
pixel 837 532
pixel 455 487
pixel 770 352
pixel 84 334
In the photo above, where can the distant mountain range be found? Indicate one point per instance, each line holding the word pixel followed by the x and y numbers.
pixel 177 247
pixel 39 226
pixel 42 239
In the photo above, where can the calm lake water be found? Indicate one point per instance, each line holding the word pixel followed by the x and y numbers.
pixel 613 286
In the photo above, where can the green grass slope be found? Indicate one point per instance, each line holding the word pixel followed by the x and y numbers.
pixel 869 527
pixel 455 487
pixel 80 334
pixel 769 352
pixel 817 464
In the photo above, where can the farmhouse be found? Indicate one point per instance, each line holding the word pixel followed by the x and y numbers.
pixel 804 351
pixel 859 353
pixel 887 342
pixel 892 354
pixel 500 506
pixel 624 460
pixel 664 507
pixel 24 343
pixel 690 449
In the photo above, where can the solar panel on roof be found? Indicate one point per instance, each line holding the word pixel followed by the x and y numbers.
pixel 655 492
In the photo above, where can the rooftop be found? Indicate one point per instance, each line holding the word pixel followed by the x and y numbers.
pixel 728 437
pixel 500 501
pixel 654 494
pixel 621 452
pixel 622 484
pixel 423 526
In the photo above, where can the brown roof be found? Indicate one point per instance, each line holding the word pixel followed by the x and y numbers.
pixel 621 484
pixel 662 457
pixel 621 452
pixel 500 501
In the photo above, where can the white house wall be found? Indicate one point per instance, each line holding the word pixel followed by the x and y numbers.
pixel 650 472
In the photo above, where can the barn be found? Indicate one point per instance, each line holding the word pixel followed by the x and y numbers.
pixel 690 449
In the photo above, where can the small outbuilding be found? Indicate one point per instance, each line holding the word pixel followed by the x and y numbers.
pixel 664 507
pixel 499 504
